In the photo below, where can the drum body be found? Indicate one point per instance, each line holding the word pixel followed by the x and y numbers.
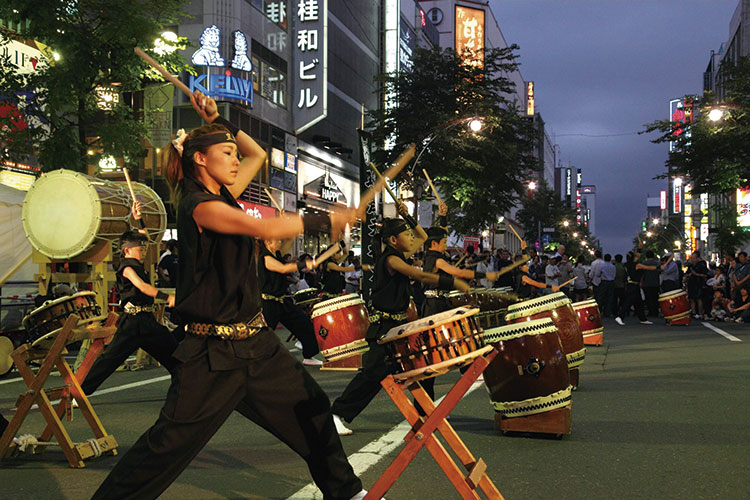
pixel 590 319
pixel 556 307
pixel 340 326
pixel 66 213
pixel 530 373
pixel 43 323
pixel 675 307
pixel 435 344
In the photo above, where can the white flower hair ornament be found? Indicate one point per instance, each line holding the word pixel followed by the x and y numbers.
pixel 179 140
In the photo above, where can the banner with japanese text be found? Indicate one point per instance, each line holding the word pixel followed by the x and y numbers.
pixel 370 222
pixel 309 98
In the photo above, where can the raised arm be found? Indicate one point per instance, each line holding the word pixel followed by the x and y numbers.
pixel 275 266
pixel 253 156
pixel 145 288
pixel 399 266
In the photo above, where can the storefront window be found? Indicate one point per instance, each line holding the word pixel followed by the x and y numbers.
pixel 273 84
pixel 274 10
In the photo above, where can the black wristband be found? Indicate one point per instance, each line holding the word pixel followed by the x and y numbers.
pixel 223 121
pixel 443 221
pixel 409 221
pixel 479 275
pixel 316 222
pixel 161 295
pixel 301 265
pixel 445 282
pixel 142 223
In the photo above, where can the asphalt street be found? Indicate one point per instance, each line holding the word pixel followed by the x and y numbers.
pixel 661 413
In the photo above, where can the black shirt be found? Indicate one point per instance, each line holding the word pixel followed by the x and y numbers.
pixel 333 281
pixel 217 280
pixel 128 291
pixel 634 275
pixel 524 290
pixel 271 283
pixel 504 279
pixel 390 293
pixel 430 266
pixel 171 265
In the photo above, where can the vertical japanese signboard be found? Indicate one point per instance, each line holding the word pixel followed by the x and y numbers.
pixel 310 63
pixel 469 31
pixel 370 222
pixel 681 115
pixel 743 207
pixel 530 101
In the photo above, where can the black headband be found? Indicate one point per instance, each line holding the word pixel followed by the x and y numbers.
pixel 393 228
pixel 205 140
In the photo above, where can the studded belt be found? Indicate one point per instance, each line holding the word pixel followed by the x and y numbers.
pixel 265 296
pixel 376 316
pixel 434 293
pixel 131 309
pixel 236 331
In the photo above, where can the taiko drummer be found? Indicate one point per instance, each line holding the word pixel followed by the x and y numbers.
pixel 229 359
pixel 136 327
pixel 389 301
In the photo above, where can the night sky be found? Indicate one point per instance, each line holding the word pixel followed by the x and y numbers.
pixel 607 67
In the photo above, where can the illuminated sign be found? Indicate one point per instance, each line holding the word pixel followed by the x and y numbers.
pixel 277 158
pixel 677 196
pixel 469 31
pixel 324 187
pixel 578 206
pixel 663 200
pixel 107 97
pixel 291 163
pixel 224 85
pixel 25 55
pixel 310 61
pixel 240 60
pixel 568 183
pixel 257 211
pixel 18 175
pixel 579 177
pixel 681 114
pixel 743 207
pixel 407 44
pixel 530 99
pixel 588 189
pixel 208 53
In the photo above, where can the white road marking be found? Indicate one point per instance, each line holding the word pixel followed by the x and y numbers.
pixel 721 332
pixel 10 380
pixel 371 453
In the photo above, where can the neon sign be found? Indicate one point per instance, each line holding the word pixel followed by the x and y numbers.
pixel 226 85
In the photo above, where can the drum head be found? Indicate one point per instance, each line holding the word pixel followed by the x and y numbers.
pixel 419 325
pixel 6 362
pixel 61 213
pixel 335 304
pixel 584 304
pixel 671 295
pixel 535 306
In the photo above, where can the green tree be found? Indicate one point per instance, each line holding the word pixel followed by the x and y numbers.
pixel 715 155
pixel 95 41
pixel 479 173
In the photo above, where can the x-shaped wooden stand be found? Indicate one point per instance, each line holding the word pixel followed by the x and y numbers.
pixel 422 434
pixel 53 357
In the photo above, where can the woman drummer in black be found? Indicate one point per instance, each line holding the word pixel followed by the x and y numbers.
pixel 389 301
pixel 229 359
pixel 332 272
pixel 277 308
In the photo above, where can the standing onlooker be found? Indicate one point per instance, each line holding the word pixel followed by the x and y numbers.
pixel 670 275
pixel 621 279
pixel 740 276
pixel 541 268
pixel 595 273
pixel 650 284
pixel 506 279
pixel 607 286
pixel 551 274
pixel 633 291
pixel 697 276
pixel 168 266
pixel 352 277
pixel 566 273
pixel 581 284
pixel 730 264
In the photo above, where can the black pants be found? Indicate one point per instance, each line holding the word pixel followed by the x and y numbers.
pixel 619 298
pixel 606 299
pixel 366 383
pixel 669 285
pixel 295 320
pixel 139 331
pixel 632 298
pixel 268 386
pixel 652 300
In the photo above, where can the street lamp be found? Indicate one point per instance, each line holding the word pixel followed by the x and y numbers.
pixel 575 235
pixel 532 185
pixel 677 243
pixel 475 125
pixel 566 223
pixel 649 234
pixel 716 114
pixel 655 221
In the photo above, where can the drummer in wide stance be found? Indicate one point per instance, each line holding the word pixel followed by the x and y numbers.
pixel 279 309
pixel 332 273
pixel 389 301
pixel 137 327
pixel 229 359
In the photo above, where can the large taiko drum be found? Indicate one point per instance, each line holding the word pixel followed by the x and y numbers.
pixel 43 323
pixel 340 326
pixel 556 307
pixel 530 373
pixel 675 307
pixel 435 344
pixel 66 213
pixel 590 319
